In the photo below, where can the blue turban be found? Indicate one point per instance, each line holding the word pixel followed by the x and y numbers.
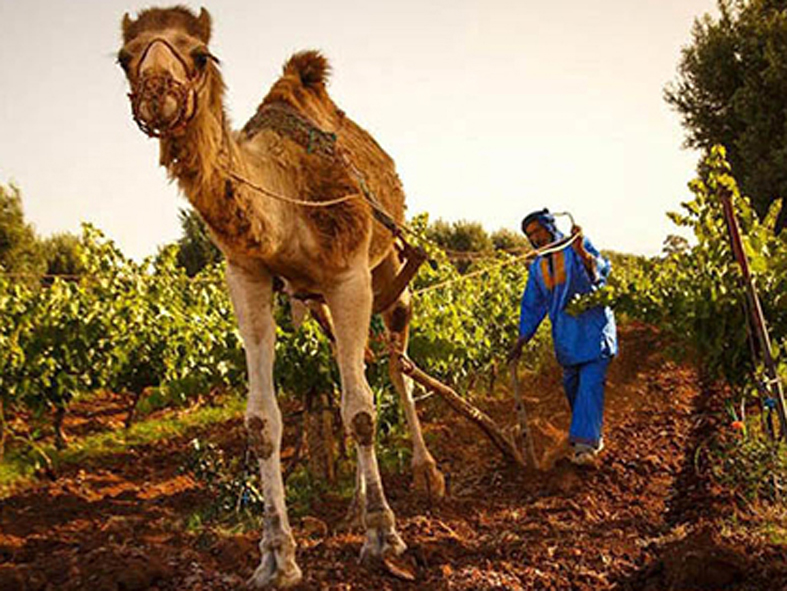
pixel 546 219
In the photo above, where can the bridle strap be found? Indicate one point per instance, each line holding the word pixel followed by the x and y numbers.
pixel 181 91
pixel 169 46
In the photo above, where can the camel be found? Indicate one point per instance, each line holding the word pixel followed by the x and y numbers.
pixel 290 196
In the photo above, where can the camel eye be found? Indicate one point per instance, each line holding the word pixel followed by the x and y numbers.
pixel 200 57
pixel 124 59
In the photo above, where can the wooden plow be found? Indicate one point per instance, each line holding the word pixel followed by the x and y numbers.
pixel 503 442
pixel 525 437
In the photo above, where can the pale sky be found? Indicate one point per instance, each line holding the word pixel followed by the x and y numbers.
pixel 490 108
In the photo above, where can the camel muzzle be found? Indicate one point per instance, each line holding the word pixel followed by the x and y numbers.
pixel 161 105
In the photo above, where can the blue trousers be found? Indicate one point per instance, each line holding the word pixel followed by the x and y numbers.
pixel 584 386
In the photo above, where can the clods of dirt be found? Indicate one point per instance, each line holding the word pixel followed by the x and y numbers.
pixel 11 579
pixel 118 523
pixel 702 561
pixel 233 553
pixel 696 559
pixel 122 569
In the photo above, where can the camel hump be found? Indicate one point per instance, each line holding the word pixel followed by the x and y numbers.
pixel 311 67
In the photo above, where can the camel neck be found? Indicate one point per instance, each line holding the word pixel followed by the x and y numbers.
pixel 200 161
pixel 195 160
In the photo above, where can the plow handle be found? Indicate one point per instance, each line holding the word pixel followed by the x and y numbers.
pixel 527 439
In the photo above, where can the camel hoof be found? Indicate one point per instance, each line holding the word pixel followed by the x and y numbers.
pixel 275 573
pixel 427 479
pixel 382 539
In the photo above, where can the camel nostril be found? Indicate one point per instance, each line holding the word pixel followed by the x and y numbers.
pixel 144 111
pixel 160 103
pixel 168 108
pixel 159 110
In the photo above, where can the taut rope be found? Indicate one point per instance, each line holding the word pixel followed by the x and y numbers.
pixel 278 196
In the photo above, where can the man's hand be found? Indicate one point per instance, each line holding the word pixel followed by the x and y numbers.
pixel 578 244
pixel 516 351
pixel 579 248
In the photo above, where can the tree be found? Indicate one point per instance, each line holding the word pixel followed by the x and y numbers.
pixel 62 254
pixel 195 249
pixel 730 90
pixel 461 236
pixel 505 239
pixel 19 247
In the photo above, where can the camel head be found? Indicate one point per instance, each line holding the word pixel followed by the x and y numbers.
pixel 168 65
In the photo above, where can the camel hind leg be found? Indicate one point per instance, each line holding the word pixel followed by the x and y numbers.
pixel 426 476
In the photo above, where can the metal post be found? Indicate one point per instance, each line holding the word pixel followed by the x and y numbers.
pixel 755 316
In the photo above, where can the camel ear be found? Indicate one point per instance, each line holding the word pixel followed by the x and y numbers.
pixel 127 23
pixel 204 25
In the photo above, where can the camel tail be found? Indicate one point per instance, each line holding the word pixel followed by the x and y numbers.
pixel 311 67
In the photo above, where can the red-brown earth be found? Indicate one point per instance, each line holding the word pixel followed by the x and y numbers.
pixel 646 518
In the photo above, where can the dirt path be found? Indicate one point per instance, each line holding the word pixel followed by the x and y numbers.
pixel 641 520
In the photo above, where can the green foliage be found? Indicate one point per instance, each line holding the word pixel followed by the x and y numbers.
pixel 122 325
pixel 696 295
pixel 54 342
pixel 730 91
pixel 470 237
pixel 750 466
pixel 14 328
pixel 233 483
pixel 304 360
pixel 65 346
pixel 174 333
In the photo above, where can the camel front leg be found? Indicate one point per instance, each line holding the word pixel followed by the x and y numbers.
pixel 251 295
pixel 351 307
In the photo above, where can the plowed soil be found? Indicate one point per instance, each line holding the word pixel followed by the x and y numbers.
pixel 645 518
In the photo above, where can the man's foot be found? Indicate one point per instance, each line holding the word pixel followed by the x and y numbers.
pixel 584 454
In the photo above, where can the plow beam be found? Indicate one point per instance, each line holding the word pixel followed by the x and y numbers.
pixel 467 410
pixel 414 258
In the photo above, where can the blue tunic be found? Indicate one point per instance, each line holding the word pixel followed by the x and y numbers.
pixel 552 282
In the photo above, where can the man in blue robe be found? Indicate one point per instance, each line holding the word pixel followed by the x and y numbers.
pixel 584 344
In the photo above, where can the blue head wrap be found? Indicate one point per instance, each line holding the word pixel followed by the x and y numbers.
pixel 546 219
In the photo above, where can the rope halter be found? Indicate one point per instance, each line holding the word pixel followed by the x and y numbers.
pixel 154 90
